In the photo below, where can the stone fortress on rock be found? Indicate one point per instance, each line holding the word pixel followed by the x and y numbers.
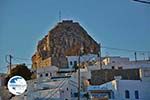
pixel 65 39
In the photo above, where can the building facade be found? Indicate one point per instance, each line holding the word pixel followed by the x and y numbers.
pixel 120 89
pixel 117 62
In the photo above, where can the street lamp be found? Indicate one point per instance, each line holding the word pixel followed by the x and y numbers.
pixel 80 54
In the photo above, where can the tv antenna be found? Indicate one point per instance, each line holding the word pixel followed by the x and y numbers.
pixel 59 15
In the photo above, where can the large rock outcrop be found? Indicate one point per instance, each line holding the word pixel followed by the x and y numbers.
pixel 65 39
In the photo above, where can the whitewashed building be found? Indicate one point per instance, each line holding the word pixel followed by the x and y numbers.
pixel 112 62
pixel 117 62
pixel 119 89
pixel 47 72
pixel 54 89
pixel 74 60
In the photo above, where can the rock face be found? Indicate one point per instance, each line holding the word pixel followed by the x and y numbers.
pixel 65 39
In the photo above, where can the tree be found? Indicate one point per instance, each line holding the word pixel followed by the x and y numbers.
pixel 20 70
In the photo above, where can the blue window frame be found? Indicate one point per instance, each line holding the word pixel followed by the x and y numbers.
pixel 127 94
pixel 136 94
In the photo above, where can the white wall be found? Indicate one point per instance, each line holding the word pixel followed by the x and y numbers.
pixel 60 89
pixel 123 62
pixel 119 87
pixel 83 58
pixel 51 71
pixel 131 86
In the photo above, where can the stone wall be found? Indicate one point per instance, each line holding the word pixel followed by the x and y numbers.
pixel 65 39
pixel 99 77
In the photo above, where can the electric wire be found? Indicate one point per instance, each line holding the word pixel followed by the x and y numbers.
pixel 127 50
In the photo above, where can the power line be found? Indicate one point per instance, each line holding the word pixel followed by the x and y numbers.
pixel 127 50
pixel 56 89
pixel 143 1
pixel 130 51
pixel 18 58
pixel 61 84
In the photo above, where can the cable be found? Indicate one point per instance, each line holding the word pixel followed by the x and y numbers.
pixel 143 1
pixel 127 50
pixel 18 58
pixel 58 87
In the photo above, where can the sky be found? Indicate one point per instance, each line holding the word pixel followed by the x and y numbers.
pixel 121 24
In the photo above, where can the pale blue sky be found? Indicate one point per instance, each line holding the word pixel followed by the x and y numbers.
pixel 114 23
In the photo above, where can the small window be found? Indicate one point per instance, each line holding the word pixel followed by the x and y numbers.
pixel 136 94
pixel 75 94
pixel 41 75
pixel 67 89
pixel 75 63
pixel 46 74
pixel 70 62
pixel 71 92
pixel 120 67
pixel 127 94
pixel 50 74
pixel 113 67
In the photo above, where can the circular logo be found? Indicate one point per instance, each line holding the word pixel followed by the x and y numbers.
pixel 17 85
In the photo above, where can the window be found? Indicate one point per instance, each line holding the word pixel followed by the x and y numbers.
pixel 41 75
pixel 70 62
pixel 50 74
pixel 136 94
pixel 62 91
pixel 127 94
pixel 75 94
pixel 120 67
pixel 75 63
pixel 67 89
pixel 71 92
pixel 113 67
pixel 46 74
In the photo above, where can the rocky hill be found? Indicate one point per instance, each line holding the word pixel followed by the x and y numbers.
pixel 65 39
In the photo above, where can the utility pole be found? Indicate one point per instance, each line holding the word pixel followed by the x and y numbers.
pixel 10 59
pixel 149 56
pixel 135 56
pixel 59 15
pixel 80 53
pixel 9 62
pixel 100 58
pixel 79 77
